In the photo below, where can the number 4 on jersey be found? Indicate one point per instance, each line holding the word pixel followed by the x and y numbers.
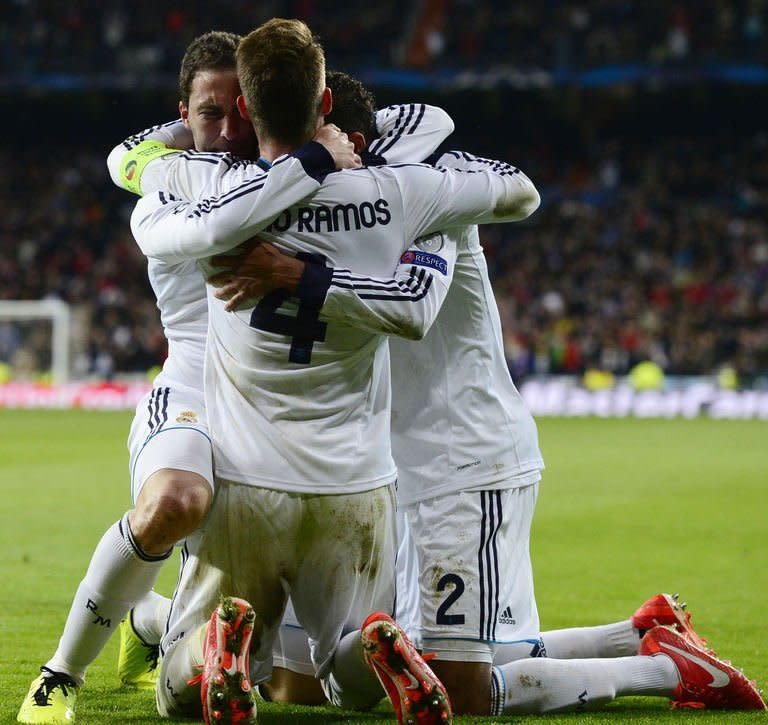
pixel 304 329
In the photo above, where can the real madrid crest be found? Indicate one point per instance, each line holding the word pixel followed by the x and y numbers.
pixel 187 416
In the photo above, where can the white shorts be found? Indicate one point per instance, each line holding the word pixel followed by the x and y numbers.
pixel 169 430
pixel 407 568
pixel 334 555
pixel 465 580
pixel 291 648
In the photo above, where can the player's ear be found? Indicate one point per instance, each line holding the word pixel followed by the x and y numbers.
pixel 184 113
pixel 358 140
pixel 242 107
pixel 326 102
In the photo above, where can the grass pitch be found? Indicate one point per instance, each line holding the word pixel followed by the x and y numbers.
pixel 627 508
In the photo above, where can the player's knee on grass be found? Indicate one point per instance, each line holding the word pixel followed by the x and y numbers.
pixel 171 505
pixel 291 687
pixel 468 685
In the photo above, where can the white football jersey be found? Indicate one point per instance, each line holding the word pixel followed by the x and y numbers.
pixel 458 421
pixel 178 286
pixel 177 282
pixel 180 292
pixel 294 402
pixel 406 132
pixel 461 425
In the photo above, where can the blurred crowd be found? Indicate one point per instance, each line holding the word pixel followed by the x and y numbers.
pixel 653 252
pixel 143 36
pixel 582 34
pixel 64 234
pixel 140 36
pixel 657 253
pixel 644 248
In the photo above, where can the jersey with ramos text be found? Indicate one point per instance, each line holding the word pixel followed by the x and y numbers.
pixel 145 162
pixel 296 403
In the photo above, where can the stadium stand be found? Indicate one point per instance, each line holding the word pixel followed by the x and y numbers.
pixel 45 36
pixel 652 239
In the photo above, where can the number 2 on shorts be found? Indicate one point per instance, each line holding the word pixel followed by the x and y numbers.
pixel 458 590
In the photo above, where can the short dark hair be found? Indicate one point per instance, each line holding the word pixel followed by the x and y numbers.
pixel 214 50
pixel 354 107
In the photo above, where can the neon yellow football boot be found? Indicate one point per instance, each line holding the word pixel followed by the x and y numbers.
pixel 51 699
pixel 136 661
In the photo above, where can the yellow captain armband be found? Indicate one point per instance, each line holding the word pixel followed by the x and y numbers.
pixel 133 163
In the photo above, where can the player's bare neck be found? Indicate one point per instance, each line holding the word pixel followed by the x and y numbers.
pixel 270 149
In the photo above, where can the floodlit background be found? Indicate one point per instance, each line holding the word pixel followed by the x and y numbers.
pixel 643 125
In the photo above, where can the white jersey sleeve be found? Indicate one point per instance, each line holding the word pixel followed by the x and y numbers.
pixel 166 226
pixel 410 132
pixel 147 164
pixel 432 200
pixel 367 302
pixel 163 139
pixel 174 134
pixel 497 192
pixel 405 304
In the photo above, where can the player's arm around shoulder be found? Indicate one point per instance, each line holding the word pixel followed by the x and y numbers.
pixel 405 304
pixel 163 158
pixel 240 202
pixel 525 192
pixel 147 163
pixel 442 198
pixel 130 159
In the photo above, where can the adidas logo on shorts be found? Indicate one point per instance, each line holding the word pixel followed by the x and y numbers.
pixel 506 617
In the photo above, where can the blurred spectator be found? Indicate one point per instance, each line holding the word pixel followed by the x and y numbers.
pixel 65 235
pixel 665 266
pixel 140 36
pixel 117 36
pixel 678 277
pixel 642 250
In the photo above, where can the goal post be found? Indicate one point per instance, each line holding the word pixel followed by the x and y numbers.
pixel 58 313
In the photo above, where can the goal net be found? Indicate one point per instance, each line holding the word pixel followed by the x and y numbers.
pixel 34 340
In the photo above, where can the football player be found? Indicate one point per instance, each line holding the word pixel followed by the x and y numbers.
pixel 468 466
pixel 306 404
pixel 169 442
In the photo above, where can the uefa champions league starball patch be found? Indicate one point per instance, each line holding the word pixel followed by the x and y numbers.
pixel 425 253
pixel 431 243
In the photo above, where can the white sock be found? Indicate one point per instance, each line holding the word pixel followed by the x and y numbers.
pixel 149 615
pixel 182 661
pixel 608 640
pixel 351 684
pixel 119 574
pixel 542 685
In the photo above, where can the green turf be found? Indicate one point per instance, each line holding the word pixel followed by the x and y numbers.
pixel 627 508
